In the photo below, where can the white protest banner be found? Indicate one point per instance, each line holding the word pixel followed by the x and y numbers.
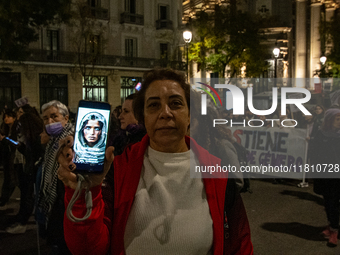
pixel 278 152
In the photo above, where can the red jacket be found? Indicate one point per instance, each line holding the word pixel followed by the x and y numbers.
pixel 103 231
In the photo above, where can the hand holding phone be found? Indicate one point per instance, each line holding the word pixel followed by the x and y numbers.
pixel 67 169
pixel 91 136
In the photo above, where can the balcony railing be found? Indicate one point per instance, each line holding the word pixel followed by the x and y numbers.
pixel 102 60
pixel 164 24
pixel 131 18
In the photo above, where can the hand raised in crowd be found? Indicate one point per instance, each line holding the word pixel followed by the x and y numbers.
pixel 67 169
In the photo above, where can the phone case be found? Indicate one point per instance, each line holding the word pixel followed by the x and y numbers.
pixel 91 134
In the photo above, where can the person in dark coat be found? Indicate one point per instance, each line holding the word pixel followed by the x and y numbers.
pixel 9 152
pixel 31 126
pixel 319 112
pixel 130 131
pixel 325 150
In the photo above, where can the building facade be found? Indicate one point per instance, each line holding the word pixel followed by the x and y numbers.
pixel 125 38
pixel 294 29
pixel 309 44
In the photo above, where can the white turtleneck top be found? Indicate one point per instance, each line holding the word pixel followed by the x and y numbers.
pixel 170 213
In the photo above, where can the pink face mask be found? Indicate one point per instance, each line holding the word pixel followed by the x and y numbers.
pixel 54 129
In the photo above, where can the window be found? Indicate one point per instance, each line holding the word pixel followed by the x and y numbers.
pixel 164 51
pixel 94 42
pixel 163 21
pixel 131 15
pixel 95 88
pixel 95 10
pixel 131 47
pixel 53 87
pixel 52 44
pixel 52 40
pixel 163 12
pixel 127 86
pixel 10 89
pixel 130 6
pixel 93 3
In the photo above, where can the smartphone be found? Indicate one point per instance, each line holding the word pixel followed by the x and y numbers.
pixel 91 133
pixel 12 141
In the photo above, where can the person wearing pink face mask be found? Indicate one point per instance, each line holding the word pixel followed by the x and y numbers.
pixel 50 202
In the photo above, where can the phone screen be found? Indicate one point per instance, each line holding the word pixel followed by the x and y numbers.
pixel 12 141
pixel 91 136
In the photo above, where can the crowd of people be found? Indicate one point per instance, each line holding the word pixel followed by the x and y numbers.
pixel 29 144
pixel 146 201
pixel 323 147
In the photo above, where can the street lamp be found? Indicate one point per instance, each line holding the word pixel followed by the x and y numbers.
pixel 322 74
pixel 276 52
pixel 323 59
pixel 187 35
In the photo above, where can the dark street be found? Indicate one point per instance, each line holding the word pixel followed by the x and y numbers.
pixel 284 219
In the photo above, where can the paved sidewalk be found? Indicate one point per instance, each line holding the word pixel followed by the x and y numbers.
pixel 284 220
pixel 19 244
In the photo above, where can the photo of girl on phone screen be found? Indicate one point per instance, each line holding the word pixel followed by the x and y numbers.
pixel 90 139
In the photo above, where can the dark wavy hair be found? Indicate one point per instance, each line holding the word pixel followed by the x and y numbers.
pixel 158 75
pixel 5 128
pixel 31 127
pixel 29 109
pixel 9 113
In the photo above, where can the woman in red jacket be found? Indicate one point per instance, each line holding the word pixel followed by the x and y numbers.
pixel 150 204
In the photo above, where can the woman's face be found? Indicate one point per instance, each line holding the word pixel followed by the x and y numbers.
pixel 126 117
pixel 52 115
pixel 318 110
pixel 336 122
pixel 166 116
pixel 92 132
pixel 9 120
